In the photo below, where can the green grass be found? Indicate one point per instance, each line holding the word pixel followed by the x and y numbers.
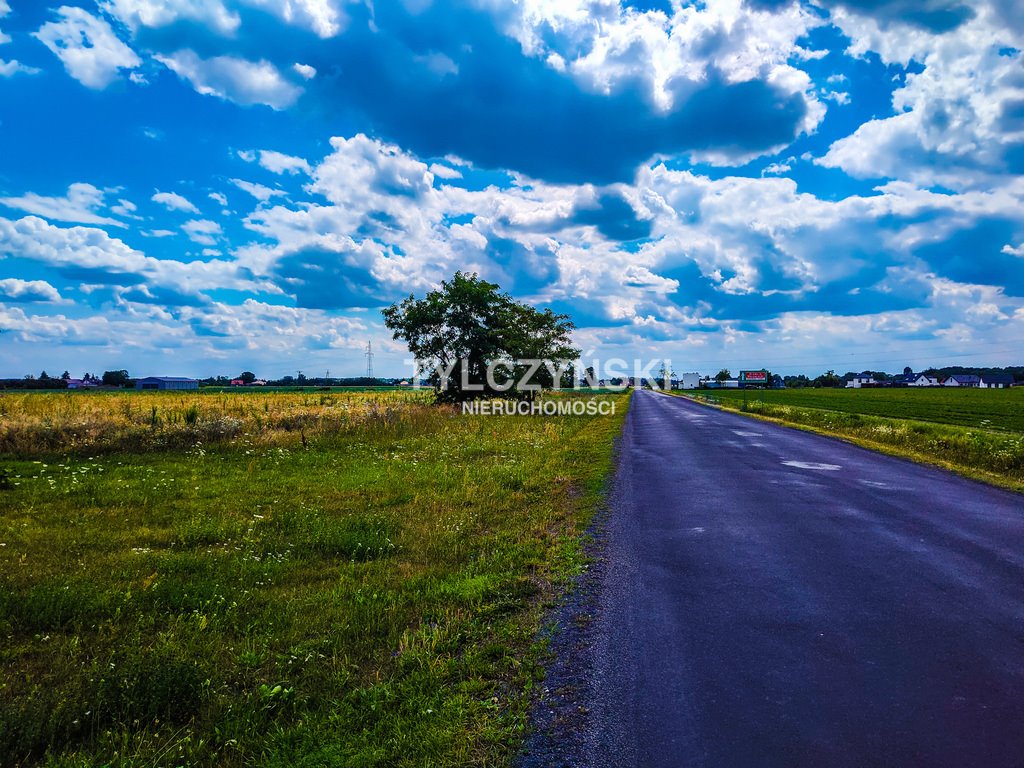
pixel 998 409
pixel 366 595
pixel 983 452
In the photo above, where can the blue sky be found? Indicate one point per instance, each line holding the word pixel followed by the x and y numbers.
pixel 197 187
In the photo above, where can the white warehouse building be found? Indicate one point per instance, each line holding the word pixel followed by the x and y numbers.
pixel 689 381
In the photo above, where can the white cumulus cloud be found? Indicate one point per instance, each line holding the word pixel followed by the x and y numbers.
pixel 160 13
pixel 14 289
pixel 79 205
pixel 277 162
pixel 325 18
pixel 110 260
pixel 233 79
pixel 202 231
pixel 87 46
pixel 954 123
pixel 607 47
pixel 13 67
pixel 172 201
pixel 258 191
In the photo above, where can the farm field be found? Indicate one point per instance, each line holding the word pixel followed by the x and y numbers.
pixel 979 433
pixel 1001 409
pixel 280 579
pixel 302 389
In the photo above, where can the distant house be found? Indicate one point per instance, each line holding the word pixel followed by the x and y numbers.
pixel 865 379
pixel 689 381
pixel 778 382
pixel 81 384
pixel 166 382
pixel 963 380
pixel 923 380
pixel 996 381
pixel 907 379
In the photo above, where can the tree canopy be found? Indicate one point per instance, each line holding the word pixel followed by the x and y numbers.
pixel 471 340
pixel 116 378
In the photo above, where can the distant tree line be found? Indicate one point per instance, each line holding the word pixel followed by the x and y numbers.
pixel 1017 371
pixel 122 379
pixel 46 381
pixel 302 380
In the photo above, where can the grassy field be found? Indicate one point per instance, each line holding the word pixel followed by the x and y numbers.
pixel 304 389
pixel 77 422
pixel 1000 409
pixel 279 579
pixel 979 433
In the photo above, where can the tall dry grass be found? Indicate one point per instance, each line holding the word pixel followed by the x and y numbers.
pixel 45 423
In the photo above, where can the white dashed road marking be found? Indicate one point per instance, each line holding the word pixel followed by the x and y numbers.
pixel 813 465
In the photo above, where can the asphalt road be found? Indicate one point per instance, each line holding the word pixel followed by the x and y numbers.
pixel 776 598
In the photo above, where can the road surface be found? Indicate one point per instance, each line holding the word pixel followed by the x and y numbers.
pixel 772 597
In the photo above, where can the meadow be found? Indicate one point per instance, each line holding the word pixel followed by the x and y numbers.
pixel 280 579
pixel 77 422
pixel 978 433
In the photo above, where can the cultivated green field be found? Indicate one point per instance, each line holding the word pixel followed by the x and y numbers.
pixel 279 579
pixel 979 433
pixel 1001 409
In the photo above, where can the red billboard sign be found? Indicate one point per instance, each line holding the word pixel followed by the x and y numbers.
pixel 754 377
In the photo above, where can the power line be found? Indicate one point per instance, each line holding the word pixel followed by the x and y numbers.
pixel 369 359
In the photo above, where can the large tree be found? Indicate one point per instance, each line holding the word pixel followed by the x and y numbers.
pixel 828 379
pixel 116 378
pixel 467 326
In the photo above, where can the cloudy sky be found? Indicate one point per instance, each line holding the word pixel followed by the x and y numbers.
pixel 205 186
